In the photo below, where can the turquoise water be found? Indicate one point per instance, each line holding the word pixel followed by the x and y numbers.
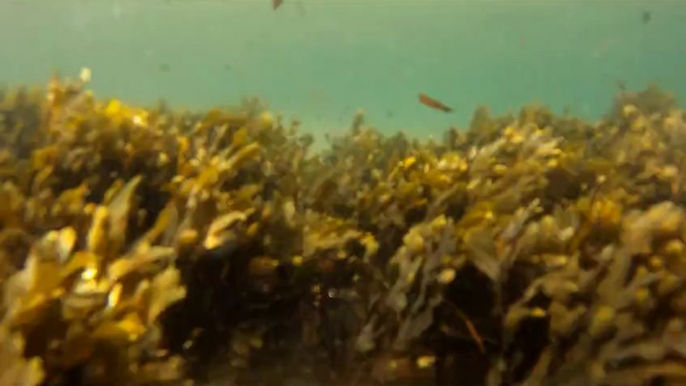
pixel 323 60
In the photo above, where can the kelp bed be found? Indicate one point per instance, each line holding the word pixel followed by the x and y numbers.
pixel 156 247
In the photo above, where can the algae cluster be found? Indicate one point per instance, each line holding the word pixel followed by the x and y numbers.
pixel 159 247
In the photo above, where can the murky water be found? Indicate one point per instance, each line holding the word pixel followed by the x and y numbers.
pixel 323 60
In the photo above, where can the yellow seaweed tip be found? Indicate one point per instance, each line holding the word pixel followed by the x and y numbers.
pixel 113 109
pixel 446 276
pixel 409 161
pixel 266 120
pixel 425 361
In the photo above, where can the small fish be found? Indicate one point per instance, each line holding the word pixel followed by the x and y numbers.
pixel 276 4
pixel 646 17
pixel 433 103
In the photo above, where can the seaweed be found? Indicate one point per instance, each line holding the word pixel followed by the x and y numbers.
pixel 157 247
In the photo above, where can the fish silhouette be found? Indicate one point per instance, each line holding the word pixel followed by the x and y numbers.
pixel 433 103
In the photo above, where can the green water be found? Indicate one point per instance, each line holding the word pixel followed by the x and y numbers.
pixel 322 60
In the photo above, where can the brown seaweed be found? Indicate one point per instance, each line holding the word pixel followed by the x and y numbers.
pixel 151 246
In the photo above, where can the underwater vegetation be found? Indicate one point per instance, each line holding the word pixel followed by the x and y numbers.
pixel 160 247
